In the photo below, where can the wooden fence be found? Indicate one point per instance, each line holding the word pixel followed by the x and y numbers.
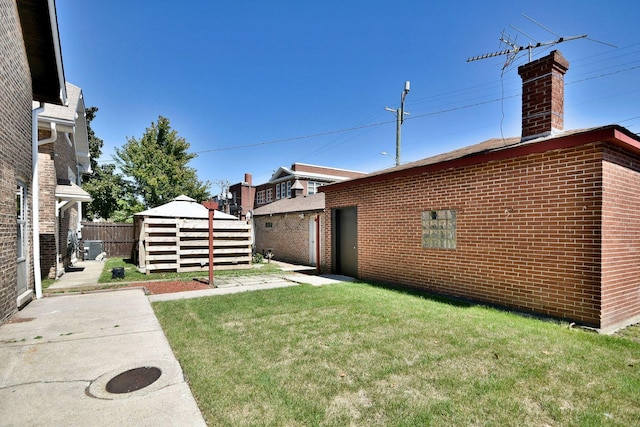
pixel 118 237
pixel 182 245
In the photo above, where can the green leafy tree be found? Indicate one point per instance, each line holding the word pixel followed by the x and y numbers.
pixel 109 191
pixel 126 207
pixel 107 188
pixel 95 143
pixel 156 164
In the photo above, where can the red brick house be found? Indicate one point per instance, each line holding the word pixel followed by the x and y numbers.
pixel 311 177
pixel 291 229
pixel 244 197
pixel 63 159
pixel 547 223
pixel 30 70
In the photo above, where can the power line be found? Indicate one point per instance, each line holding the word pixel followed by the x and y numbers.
pixel 294 138
pixel 414 117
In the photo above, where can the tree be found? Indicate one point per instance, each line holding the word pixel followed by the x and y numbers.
pixel 107 188
pixel 156 164
pixel 95 143
pixel 112 195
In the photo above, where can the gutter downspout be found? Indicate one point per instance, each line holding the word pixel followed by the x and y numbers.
pixel 317 219
pixel 35 194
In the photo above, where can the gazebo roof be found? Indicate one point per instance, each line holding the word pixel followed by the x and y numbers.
pixel 183 207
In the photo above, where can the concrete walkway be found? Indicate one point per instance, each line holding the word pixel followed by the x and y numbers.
pixel 84 275
pixel 58 354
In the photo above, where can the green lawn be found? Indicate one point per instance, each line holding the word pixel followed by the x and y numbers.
pixel 360 355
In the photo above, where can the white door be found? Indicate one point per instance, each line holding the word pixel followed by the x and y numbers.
pixel 21 241
pixel 312 241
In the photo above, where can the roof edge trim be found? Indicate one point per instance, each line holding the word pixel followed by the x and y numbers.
pixel 613 134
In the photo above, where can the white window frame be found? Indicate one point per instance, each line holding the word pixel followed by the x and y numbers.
pixel 277 191
pixel 269 195
pixel 21 220
pixel 312 187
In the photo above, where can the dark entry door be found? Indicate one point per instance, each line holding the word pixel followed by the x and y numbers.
pixel 345 241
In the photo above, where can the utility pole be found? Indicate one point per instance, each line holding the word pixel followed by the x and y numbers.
pixel 400 119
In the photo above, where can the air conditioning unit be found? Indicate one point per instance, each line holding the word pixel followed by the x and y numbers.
pixel 93 248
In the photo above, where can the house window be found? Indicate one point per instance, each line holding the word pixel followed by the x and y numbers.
pixel 439 229
pixel 312 187
pixel 21 217
pixel 268 224
pixel 260 197
pixel 269 195
pixel 288 188
pixel 277 191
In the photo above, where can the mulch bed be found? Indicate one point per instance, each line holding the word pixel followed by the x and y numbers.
pixel 173 286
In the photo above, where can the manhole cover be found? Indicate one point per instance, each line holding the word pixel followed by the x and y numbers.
pixel 133 379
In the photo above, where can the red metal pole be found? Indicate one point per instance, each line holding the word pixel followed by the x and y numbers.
pixel 212 207
pixel 211 247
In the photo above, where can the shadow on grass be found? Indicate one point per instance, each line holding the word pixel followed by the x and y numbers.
pixel 462 302
pixel 426 294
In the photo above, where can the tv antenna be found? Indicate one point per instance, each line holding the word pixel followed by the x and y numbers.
pixel 514 49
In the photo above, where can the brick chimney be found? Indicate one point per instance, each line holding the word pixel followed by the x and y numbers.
pixel 248 179
pixel 543 95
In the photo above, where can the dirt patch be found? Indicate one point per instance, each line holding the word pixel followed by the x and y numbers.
pixel 175 286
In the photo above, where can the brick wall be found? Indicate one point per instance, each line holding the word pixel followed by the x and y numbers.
pixel 15 150
pixel 288 236
pixel 621 239
pixel 47 199
pixel 55 160
pixel 66 161
pixel 528 232
pixel 68 223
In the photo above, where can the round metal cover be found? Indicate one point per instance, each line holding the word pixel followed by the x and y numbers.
pixel 133 379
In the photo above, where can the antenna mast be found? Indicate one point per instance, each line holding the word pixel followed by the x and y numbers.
pixel 514 49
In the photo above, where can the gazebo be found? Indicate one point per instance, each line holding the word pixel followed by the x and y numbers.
pixel 174 237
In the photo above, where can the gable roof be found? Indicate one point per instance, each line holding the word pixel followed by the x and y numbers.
pixel 499 149
pixel 284 174
pixel 69 191
pixel 42 44
pixel 70 118
pixel 65 114
pixel 314 202
pixel 183 207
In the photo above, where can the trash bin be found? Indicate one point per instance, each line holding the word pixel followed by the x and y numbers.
pixel 117 273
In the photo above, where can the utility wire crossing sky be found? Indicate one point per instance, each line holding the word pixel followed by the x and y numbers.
pixel 253 86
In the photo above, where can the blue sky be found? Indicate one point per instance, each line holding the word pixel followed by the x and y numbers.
pixel 255 85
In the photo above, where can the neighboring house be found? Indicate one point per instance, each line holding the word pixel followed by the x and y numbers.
pixel 311 177
pixel 30 69
pixel 291 229
pixel 63 159
pixel 241 200
pixel 547 223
